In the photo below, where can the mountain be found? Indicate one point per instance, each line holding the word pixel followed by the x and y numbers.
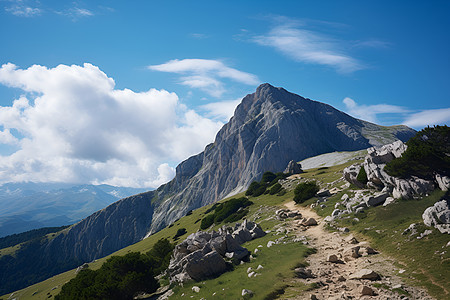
pixel 30 205
pixel 269 128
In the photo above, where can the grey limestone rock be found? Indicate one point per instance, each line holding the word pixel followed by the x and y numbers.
pixel 438 215
pixel 293 168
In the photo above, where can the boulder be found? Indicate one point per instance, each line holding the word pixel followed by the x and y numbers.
pixel 351 172
pixel 323 193
pixel 303 273
pixel 309 222
pixel 247 292
pixel 293 168
pixel 438 215
pixel 366 291
pixel 195 289
pixel 332 258
pixel 443 182
pixel 365 274
pixel 376 199
pixel 352 252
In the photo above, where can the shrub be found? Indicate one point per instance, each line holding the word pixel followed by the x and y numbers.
pixel 426 155
pixel 362 176
pixel 229 211
pixel 305 191
pixel 275 188
pixel 252 188
pixel 120 277
pixel 207 222
pixel 179 233
pixel 268 177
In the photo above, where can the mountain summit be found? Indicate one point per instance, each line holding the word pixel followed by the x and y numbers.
pixel 269 128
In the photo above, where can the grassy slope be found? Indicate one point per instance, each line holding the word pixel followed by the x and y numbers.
pixel 431 270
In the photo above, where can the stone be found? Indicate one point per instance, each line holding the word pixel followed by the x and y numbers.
pixel 365 274
pixel 443 182
pixel 438 215
pixel 310 222
pixel 259 267
pixel 251 274
pixel 82 267
pixel 351 239
pixel 195 289
pixel 352 252
pixel 293 168
pixel 376 199
pixel 389 200
pixel 323 193
pixel 303 273
pixel 246 292
pixel 332 258
pixel 366 291
pixel 270 243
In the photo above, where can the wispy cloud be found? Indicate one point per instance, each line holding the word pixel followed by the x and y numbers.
pixel 22 8
pixel 75 13
pixel 404 115
pixel 205 74
pixel 307 46
pixel 429 117
pixel 222 110
pixel 199 36
pixel 370 112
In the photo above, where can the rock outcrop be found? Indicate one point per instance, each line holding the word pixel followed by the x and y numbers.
pixel 293 168
pixel 374 164
pixel 438 215
pixel 204 255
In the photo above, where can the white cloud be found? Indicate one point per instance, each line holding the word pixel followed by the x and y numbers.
pixel 74 126
pixel 205 74
pixel 308 46
pixel 370 112
pixel 429 117
pixel 222 110
pixel 22 9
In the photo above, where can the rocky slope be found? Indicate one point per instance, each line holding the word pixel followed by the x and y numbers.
pixel 269 128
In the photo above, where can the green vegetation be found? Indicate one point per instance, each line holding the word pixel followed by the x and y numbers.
pixel 180 232
pixel 269 179
pixel 362 176
pixel 229 211
pixel 120 277
pixel 305 191
pixel 428 153
pixel 18 238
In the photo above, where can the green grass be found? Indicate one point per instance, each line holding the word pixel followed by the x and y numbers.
pixel 277 273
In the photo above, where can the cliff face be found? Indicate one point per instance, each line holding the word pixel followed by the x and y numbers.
pixel 269 128
pixel 120 224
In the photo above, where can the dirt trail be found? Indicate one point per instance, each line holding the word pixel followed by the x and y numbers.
pixel 334 277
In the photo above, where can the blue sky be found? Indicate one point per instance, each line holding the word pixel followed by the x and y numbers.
pixel 118 92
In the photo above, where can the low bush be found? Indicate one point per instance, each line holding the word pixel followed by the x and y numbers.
pixel 305 191
pixel 427 154
pixel 229 211
pixel 179 233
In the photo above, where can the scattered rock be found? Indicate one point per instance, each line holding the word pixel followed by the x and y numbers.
pixel 310 222
pixel 323 193
pixel 247 292
pixel 389 200
pixel 332 258
pixel 443 182
pixel 365 274
pixel 82 267
pixel 270 243
pixel 303 273
pixel 438 215
pixel 259 267
pixel 195 289
pixel 366 291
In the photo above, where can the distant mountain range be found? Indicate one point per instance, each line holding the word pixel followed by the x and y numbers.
pixel 269 128
pixel 29 205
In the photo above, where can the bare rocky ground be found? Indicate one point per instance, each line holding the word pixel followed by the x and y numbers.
pixel 334 279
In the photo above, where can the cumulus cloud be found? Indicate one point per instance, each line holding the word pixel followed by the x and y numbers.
pixel 308 46
pixel 73 125
pixel 222 110
pixel 205 74
pixel 428 117
pixel 370 112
